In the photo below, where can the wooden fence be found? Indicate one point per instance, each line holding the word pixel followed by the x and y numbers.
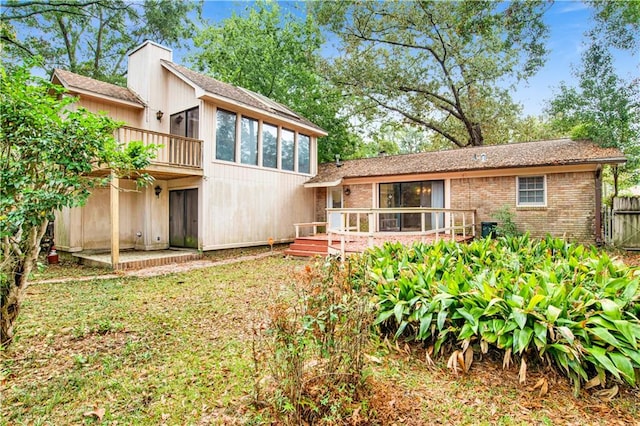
pixel 625 223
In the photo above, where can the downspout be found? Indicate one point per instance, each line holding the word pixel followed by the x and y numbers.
pixel 598 209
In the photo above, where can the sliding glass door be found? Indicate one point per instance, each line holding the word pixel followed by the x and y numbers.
pixel 411 194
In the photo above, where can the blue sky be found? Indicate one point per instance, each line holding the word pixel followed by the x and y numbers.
pixel 568 20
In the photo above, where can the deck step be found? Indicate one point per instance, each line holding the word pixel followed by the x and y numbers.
pixel 308 247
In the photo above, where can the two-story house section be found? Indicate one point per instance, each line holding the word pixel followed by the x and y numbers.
pixel 229 171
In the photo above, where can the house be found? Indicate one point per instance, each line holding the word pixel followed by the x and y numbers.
pixel 230 171
pixel 551 186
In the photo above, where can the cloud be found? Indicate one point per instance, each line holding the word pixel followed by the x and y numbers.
pixel 571 6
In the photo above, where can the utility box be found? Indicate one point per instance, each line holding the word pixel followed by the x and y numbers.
pixel 488 229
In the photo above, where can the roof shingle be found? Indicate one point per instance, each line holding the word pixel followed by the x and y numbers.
pixel 488 157
pixel 238 94
pixel 75 81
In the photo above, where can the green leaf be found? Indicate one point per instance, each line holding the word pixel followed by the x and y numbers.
pixel 398 310
pixel 383 316
pixel 520 317
pixel 524 337
pixel 442 316
pixel 604 335
pixel 610 308
pixel 625 328
pixel 553 313
pixel 425 325
pixel 535 300
pixel 601 356
pixel 623 364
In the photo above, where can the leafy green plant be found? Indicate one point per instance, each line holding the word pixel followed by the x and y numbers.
pixel 506 225
pixel 550 301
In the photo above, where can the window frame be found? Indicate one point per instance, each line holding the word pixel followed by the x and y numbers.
pixel 544 190
pixel 235 137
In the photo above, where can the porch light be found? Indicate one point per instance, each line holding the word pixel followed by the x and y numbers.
pixel 159 115
pixel 347 191
pixel 157 190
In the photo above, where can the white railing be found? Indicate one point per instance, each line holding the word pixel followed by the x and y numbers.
pixel 173 150
pixel 362 222
pixel 312 225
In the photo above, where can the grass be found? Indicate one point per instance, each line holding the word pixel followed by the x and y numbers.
pixel 175 349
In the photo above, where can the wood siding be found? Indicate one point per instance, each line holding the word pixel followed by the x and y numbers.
pixel 247 206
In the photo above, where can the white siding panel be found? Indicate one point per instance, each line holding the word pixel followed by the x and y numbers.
pixel 246 206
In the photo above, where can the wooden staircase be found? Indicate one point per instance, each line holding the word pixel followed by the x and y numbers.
pixel 308 247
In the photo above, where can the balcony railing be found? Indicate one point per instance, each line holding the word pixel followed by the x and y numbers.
pixel 173 150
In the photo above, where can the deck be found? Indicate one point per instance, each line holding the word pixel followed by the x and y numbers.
pixel 359 229
pixel 132 259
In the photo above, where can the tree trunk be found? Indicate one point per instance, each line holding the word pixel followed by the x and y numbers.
pixel 17 280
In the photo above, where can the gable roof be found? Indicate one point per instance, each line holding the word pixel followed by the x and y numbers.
pixel 80 84
pixel 239 95
pixel 490 157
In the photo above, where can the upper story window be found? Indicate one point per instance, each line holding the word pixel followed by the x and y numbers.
pixel 226 135
pixel 246 140
pixel 531 191
pixel 249 141
pixel 287 149
pixel 269 145
pixel 185 123
pixel 304 144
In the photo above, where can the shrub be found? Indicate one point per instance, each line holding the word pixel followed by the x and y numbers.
pixel 565 305
pixel 506 225
pixel 314 347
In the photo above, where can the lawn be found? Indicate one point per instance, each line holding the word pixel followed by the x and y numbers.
pixel 176 349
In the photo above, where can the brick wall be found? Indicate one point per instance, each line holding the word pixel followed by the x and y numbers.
pixel 321 205
pixel 570 210
pixel 360 196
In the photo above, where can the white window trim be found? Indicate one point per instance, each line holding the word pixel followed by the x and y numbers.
pixel 544 189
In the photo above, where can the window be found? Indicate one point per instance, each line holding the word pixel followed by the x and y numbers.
pixel 185 123
pixel 427 193
pixel 304 165
pixel 531 191
pixel 226 135
pixel 269 145
pixel 286 146
pixel 249 141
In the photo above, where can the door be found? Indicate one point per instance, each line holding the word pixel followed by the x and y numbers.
pixel 334 201
pixel 183 218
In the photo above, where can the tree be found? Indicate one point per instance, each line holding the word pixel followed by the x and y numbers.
pixel 617 23
pixel 603 107
pixel 278 56
pixel 47 152
pixel 445 66
pixel 92 37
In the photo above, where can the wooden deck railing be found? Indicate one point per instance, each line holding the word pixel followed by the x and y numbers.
pixel 439 222
pixel 173 150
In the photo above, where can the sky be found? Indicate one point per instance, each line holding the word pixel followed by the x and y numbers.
pixel 567 20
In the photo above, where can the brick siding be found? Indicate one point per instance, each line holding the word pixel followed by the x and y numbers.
pixel 570 210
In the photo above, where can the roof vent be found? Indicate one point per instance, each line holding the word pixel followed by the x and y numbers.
pixel 338 163
pixel 483 157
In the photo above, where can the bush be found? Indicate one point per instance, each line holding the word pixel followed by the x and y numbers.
pixel 315 347
pixel 562 304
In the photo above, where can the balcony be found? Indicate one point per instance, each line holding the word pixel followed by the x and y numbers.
pixel 176 156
